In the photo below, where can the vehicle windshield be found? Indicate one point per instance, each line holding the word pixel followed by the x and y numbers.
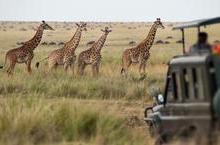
pixel 191 84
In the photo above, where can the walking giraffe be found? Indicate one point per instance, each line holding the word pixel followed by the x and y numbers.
pixel 141 53
pixel 25 53
pixel 66 55
pixel 92 56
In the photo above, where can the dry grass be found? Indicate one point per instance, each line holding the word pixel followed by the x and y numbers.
pixel 36 121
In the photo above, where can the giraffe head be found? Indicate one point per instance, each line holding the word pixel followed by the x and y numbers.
pixel 46 26
pixel 82 26
pixel 159 23
pixel 106 30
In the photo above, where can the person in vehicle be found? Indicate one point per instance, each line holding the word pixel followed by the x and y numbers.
pixel 202 46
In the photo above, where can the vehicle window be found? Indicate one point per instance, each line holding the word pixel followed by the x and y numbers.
pixel 174 86
pixel 172 90
pixel 200 86
pixel 197 87
pixel 190 84
pixel 213 83
pixel 179 86
pixel 195 83
pixel 186 83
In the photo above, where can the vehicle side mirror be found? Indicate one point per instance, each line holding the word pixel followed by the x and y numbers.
pixel 160 99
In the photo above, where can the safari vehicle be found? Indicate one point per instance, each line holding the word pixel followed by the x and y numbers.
pixel 190 103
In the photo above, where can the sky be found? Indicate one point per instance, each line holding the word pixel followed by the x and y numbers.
pixel 108 10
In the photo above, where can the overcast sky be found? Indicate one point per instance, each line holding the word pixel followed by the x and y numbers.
pixel 108 10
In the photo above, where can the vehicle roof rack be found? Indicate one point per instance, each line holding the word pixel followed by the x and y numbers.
pixel 195 24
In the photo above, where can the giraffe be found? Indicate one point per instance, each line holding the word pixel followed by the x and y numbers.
pixel 25 53
pixel 66 55
pixel 141 53
pixel 92 56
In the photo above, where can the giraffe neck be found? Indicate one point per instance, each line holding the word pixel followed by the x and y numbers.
pixel 149 40
pixel 100 43
pixel 74 41
pixel 34 42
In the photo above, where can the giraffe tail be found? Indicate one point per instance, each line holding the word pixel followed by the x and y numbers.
pixel 38 63
pixel 122 70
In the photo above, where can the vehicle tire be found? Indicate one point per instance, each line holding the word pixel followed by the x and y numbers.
pixel 159 141
pixel 163 139
pixel 187 132
pixel 152 130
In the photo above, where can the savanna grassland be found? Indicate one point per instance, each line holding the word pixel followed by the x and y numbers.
pixel 57 108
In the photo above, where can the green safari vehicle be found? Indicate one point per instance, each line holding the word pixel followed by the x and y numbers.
pixel 190 104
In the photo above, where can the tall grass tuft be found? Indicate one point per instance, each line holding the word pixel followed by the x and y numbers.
pixel 36 121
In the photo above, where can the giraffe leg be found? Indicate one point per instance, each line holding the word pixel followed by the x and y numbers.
pixel 126 62
pixel 52 65
pixel 140 67
pixel 72 68
pixel 95 69
pixel 127 65
pixel 10 70
pixel 144 62
pixel 73 64
pixel 55 67
pixel 144 68
pixel 66 66
pixel 81 68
